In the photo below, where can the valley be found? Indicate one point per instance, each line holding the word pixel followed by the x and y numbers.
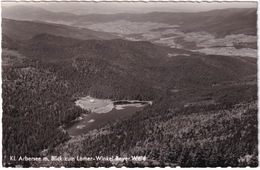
pixel 170 35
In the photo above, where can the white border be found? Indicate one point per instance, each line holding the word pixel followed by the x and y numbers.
pixel 258 61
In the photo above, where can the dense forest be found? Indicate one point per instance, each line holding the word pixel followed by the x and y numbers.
pixel 204 110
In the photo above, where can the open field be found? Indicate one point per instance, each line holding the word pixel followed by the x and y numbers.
pixel 165 34
pixel 230 51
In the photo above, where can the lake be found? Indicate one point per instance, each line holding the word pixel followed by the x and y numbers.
pixel 88 122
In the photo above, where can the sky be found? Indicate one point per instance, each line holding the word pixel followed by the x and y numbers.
pixel 132 7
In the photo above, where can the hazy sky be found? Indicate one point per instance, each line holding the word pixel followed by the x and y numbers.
pixel 133 7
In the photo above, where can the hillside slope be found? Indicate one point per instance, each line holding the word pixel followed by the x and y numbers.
pixel 22 30
pixel 136 57
pixel 44 75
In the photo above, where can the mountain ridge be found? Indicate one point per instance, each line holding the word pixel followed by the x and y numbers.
pixel 207 20
pixel 22 30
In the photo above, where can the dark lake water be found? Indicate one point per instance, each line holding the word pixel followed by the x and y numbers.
pixel 93 121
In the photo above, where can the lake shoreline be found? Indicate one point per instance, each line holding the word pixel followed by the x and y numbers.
pixel 101 111
pixel 99 106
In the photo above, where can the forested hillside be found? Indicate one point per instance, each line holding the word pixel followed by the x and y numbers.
pixel 22 30
pixel 204 110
